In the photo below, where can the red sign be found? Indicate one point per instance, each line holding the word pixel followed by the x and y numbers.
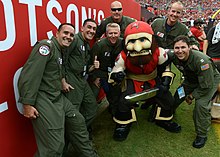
pixel 23 22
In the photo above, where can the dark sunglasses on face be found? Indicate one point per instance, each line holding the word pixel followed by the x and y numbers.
pixel 115 9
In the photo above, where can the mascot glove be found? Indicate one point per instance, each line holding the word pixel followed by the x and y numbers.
pixel 118 77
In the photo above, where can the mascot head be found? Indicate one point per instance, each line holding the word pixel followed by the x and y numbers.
pixel 138 42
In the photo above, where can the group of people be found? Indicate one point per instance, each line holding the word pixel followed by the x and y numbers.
pixel 63 76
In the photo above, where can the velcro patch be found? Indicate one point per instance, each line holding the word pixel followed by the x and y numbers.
pixel 44 50
pixel 205 67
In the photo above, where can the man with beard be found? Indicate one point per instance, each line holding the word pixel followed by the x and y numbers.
pixel 136 69
pixel 116 17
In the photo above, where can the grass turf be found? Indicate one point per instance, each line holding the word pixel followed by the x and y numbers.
pixel 148 140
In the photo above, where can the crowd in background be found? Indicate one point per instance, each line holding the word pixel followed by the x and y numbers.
pixel 194 9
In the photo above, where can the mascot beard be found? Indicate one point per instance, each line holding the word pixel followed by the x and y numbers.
pixel 139 46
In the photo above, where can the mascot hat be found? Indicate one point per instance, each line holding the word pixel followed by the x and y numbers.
pixel 138 27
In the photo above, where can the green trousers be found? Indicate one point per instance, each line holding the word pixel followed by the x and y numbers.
pixel 201 111
pixel 57 116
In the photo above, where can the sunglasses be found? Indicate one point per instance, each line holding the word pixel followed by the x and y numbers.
pixel 115 9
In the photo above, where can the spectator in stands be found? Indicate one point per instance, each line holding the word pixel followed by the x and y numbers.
pixel 198 31
pixel 116 17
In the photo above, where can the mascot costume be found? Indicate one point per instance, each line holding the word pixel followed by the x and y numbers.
pixel 142 74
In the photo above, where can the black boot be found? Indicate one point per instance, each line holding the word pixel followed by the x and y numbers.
pixel 121 132
pixel 169 125
pixel 199 142
pixel 152 114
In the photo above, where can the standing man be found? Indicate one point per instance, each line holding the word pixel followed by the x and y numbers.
pixel 212 49
pixel 51 113
pixel 77 66
pixel 116 17
pixel 107 50
pixel 212 45
pixel 166 29
pixel 200 83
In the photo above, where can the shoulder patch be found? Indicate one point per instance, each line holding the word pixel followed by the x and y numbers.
pixel 49 41
pixel 205 67
pixel 44 50
pixel 201 60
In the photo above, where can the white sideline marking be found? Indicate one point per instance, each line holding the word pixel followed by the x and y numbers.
pixel 3 107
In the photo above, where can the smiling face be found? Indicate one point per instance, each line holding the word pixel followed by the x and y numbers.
pixel 116 11
pixel 138 42
pixel 181 50
pixel 65 35
pixel 89 30
pixel 113 32
pixel 174 13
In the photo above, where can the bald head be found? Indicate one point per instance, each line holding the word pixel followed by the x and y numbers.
pixel 116 4
pixel 116 11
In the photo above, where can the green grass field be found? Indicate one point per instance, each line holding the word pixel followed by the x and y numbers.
pixel 148 140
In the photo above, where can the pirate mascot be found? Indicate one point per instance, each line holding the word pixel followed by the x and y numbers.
pixel 143 75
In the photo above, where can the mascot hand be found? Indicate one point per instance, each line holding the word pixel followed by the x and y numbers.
pixel 118 77
pixel 165 84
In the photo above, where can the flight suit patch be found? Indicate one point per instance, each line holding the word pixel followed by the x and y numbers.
pixel 44 50
pixel 205 67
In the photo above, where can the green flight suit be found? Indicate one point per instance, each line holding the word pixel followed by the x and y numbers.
pixel 165 38
pixel 201 78
pixel 39 85
pixel 106 53
pixel 76 64
pixel 125 21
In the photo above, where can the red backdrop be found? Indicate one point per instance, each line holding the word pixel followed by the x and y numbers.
pixel 23 22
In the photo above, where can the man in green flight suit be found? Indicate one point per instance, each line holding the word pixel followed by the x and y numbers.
pixel 166 29
pixel 107 50
pixel 116 17
pixel 77 66
pixel 51 112
pixel 200 83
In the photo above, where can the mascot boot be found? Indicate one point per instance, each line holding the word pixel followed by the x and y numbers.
pixel 163 118
pixel 124 121
pixel 121 132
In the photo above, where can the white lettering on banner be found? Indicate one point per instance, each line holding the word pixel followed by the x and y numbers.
pixel 31 6
pixel 32 17
pixel 10 26
pixel 15 82
pixel 3 107
pixel 100 16
pixel 84 15
pixel 73 8
pixel 50 5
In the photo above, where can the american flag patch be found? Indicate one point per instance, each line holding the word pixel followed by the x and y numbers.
pixel 160 34
pixel 205 67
